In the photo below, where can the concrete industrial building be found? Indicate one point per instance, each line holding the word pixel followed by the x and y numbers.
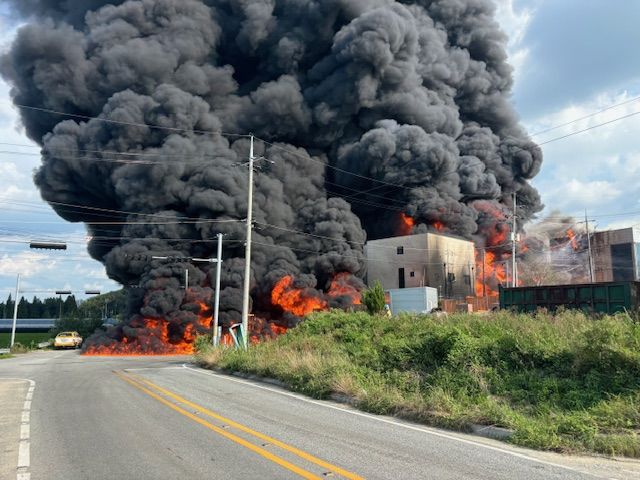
pixel 616 255
pixel 433 260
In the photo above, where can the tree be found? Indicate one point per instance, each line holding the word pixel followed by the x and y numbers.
pixel 24 308
pixel 537 271
pixel 70 306
pixel 373 298
pixel 8 309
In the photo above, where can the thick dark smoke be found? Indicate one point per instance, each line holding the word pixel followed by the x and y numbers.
pixel 413 94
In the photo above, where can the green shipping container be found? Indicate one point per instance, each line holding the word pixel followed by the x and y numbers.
pixel 609 297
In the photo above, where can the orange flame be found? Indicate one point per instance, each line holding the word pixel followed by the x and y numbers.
pixel 406 225
pixel 155 336
pixel 261 329
pixel 494 274
pixel 571 235
pixel 439 226
pixel 297 301
pixel 340 287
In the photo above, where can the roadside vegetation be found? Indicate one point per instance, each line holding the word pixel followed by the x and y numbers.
pixel 561 382
pixel 90 314
pixel 26 338
pixel 84 317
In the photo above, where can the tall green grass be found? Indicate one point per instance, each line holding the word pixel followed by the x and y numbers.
pixel 562 382
pixel 27 338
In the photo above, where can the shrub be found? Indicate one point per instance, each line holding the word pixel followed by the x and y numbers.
pixel 19 348
pixel 373 299
pixel 563 382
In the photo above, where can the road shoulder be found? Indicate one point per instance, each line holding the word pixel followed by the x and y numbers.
pixel 14 425
pixel 598 466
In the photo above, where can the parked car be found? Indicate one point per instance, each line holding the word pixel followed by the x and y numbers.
pixel 67 340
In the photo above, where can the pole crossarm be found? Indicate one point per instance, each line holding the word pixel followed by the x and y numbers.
pixel 187 259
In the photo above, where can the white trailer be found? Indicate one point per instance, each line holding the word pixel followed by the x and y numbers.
pixel 413 300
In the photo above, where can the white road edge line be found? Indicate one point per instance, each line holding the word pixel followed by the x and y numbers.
pixel 24 447
pixel 391 422
pixel 152 368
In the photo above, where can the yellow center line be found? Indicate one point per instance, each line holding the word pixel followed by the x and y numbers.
pixel 234 438
pixel 300 453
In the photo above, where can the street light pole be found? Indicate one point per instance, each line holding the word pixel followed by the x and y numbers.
pixel 216 307
pixel 218 261
pixel 35 245
pixel 15 313
pixel 247 255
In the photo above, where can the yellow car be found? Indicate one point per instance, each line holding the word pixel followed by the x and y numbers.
pixel 67 340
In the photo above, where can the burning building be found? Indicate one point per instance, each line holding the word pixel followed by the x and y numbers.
pixel 437 260
pixel 377 116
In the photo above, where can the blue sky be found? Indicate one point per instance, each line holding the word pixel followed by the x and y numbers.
pixel 571 58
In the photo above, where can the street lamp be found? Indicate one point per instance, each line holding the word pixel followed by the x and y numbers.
pixel 39 246
pixel 218 262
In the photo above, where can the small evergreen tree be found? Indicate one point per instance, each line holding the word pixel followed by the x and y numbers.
pixel 373 299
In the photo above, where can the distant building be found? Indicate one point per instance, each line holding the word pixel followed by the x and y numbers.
pixel 616 255
pixel 433 260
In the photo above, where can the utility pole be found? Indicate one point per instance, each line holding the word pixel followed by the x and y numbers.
pixel 15 313
pixel 186 279
pixel 60 293
pixel 591 273
pixel 216 307
pixel 484 279
pixel 506 267
pixel 472 281
pixel 514 238
pixel 247 255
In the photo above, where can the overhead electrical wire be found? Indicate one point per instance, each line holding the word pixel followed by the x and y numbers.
pixel 306 157
pixel 593 127
pixel 129 124
pixel 550 129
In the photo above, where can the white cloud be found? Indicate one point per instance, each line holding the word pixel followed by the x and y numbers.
pixel 598 169
pixel 515 23
pixel 590 193
pixel 25 263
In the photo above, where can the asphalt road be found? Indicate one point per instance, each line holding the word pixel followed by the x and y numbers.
pixel 65 416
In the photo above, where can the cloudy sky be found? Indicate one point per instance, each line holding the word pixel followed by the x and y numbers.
pixel 572 58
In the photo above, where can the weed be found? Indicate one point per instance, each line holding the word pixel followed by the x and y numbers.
pixel 562 382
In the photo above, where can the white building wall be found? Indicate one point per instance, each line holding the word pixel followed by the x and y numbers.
pixel 423 258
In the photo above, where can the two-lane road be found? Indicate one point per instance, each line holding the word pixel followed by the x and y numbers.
pixel 161 418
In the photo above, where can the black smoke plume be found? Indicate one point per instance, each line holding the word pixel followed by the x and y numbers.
pixel 371 108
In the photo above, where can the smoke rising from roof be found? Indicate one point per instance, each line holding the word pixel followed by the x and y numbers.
pixel 410 97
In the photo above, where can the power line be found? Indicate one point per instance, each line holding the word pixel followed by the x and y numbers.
pixel 129 124
pixel 124 212
pixel 306 157
pixel 584 118
pixel 588 129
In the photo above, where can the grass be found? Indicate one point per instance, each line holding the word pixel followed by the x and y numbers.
pixel 561 382
pixel 29 338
